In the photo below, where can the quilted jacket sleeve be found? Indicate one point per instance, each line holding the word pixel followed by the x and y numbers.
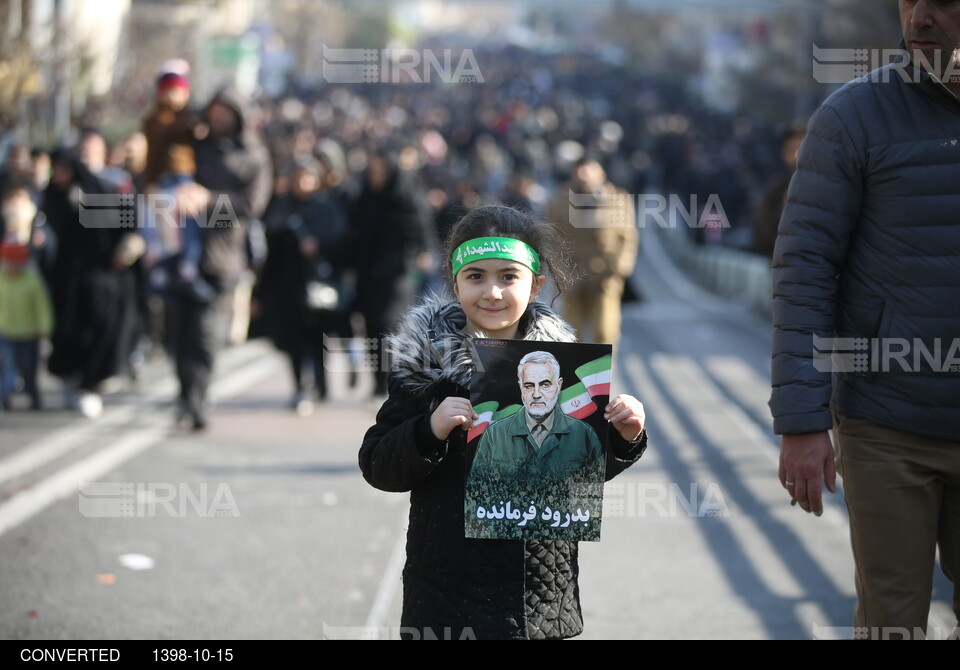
pixel 818 223
pixel 400 450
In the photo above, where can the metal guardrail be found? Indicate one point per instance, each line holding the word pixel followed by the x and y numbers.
pixel 732 273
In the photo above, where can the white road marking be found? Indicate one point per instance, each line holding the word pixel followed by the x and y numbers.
pixel 387 591
pixel 29 502
pixel 57 444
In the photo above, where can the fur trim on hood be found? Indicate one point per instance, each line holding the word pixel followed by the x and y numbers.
pixel 431 353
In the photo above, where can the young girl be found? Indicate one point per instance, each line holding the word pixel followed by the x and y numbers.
pixel 455 587
pixel 26 317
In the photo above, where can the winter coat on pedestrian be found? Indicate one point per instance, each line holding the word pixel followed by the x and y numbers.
pixel 390 228
pixel 239 175
pixel 602 235
pixel 166 130
pixel 454 586
pixel 94 294
pixel 282 288
pixel 869 252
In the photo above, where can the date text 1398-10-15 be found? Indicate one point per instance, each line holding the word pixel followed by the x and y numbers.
pixel 198 654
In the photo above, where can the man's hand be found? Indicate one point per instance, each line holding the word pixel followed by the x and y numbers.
pixel 452 413
pixel 627 416
pixel 807 463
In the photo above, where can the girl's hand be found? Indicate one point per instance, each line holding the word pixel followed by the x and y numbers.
pixel 452 413
pixel 626 414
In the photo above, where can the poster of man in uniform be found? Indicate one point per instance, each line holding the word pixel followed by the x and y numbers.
pixel 536 456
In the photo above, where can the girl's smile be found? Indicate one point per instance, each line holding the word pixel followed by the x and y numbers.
pixel 494 294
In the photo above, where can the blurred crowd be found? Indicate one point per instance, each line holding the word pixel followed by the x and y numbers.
pixel 321 213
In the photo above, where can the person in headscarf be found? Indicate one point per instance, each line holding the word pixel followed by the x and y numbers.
pixel 392 248
pixel 93 287
pixel 306 242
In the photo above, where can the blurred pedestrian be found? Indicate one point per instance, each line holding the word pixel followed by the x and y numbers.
pixel 301 297
pixel 40 166
pixel 18 169
pixel 170 123
pixel 234 178
pixel 93 150
pixel 336 177
pixel 188 247
pixel 93 290
pixel 598 220
pixel 94 153
pixel 869 253
pixel 22 220
pixel 132 157
pixel 450 207
pixel 26 317
pixel 169 132
pixel 766 216
pixel 17 215
pixel 515 192
pixel 392 238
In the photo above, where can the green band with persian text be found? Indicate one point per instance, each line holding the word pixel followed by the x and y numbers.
pixel 506 248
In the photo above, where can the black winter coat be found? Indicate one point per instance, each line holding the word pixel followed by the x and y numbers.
pixel 94 302
pixel 283 280
pixel 390 228
pixel 454 586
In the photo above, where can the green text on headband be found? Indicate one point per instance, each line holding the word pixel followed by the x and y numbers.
pixel 506 248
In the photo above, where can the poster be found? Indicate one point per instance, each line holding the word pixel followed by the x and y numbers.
pixel 536 456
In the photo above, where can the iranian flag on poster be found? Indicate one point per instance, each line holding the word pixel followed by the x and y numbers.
pixel 595 375
pixel 485 411
pixel 488 413
pixel 575 401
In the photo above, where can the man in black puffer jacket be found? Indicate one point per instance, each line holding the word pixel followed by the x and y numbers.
pixel 868 252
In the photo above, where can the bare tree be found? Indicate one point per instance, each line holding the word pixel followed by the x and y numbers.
pixel 19 71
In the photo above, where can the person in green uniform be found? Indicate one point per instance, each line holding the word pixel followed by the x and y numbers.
pixel 539 442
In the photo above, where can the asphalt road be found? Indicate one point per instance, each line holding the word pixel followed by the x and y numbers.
pixel 262 527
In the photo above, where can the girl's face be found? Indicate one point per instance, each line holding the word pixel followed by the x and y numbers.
pixel 494 294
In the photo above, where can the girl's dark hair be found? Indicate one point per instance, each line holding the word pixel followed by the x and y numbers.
pixel 503 221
